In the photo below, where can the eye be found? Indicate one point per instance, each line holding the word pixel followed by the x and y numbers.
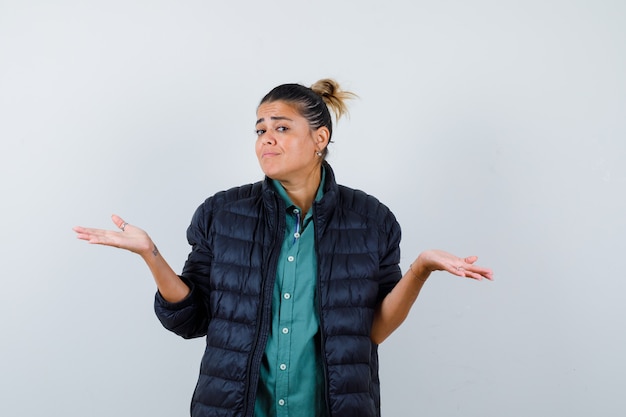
pixel 282 128
pixel 259 132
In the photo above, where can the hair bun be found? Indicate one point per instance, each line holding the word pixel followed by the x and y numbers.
pixel 333 96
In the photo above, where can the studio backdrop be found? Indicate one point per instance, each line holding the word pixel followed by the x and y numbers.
pixel 494 128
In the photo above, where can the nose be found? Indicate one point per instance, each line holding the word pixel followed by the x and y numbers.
pixel 268 139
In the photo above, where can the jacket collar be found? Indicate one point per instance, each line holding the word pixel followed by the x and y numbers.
pixel 322 208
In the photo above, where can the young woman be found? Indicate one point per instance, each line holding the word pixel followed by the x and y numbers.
pixel 294 280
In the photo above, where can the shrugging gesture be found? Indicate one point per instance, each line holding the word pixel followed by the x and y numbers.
pixel 396 305
pixel 136 240
pixel 279 266
pixel 128 237
pixel 438 260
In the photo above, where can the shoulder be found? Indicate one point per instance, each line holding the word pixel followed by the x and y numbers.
pixel 357 210
pixel 348 198
pixel 365 204
pixel 236 199
pixel 234 195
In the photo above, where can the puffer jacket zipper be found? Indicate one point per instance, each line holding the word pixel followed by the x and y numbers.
pixel 316 225
pixel 265 309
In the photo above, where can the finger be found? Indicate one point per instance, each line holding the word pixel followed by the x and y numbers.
pixel 477 270
pixel 482 272
pixel 97 236
pixel 89 230
pixel 470 271
pixel 457 270
pixel 118 221
pixel 487 273
pixel 474 275
pixel 82 236
pixel 470 259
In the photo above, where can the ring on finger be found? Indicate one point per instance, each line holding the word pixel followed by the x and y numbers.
pixel 123 226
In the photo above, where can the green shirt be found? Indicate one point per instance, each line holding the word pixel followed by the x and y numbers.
pixel 291 381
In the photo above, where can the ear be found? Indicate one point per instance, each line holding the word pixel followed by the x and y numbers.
pixel 322 136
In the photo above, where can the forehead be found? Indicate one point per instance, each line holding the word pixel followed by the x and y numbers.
pixel 274 109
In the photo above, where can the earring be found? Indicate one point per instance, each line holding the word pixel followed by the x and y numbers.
pixel 319 153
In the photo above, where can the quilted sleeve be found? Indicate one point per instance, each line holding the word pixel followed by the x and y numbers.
pixel 389 253
pixel 189 318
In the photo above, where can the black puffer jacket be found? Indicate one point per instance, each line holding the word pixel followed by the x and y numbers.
pixel 236 237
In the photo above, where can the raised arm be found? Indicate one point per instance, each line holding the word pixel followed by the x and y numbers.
pixel 134 239
pixel 395 307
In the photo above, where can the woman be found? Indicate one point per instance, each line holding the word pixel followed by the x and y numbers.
pixel 294 280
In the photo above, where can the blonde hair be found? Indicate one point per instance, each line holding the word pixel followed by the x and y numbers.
pixel 334 97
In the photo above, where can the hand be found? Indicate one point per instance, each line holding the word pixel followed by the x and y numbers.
pixel 438 260
pixel 129 237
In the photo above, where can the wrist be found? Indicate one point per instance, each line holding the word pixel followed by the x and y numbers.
pixel 419 272
pixel 150 252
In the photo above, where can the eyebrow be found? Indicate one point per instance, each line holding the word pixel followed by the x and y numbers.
pixel 261 120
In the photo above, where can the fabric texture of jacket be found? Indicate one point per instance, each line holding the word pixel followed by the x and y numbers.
pixel 236 237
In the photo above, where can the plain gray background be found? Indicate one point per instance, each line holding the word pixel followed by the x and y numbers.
pixel 494 128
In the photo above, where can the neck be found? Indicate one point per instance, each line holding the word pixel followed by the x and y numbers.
pixel 302 192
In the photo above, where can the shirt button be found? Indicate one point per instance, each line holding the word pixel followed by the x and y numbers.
pixel 287 296
pixel 285 330
pixel 283 366
pixel 291 258
pixel 281 402
pixel 296 211
pixel 296 235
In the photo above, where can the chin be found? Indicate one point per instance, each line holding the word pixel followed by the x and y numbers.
pixel 270 170
pixel 271 173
